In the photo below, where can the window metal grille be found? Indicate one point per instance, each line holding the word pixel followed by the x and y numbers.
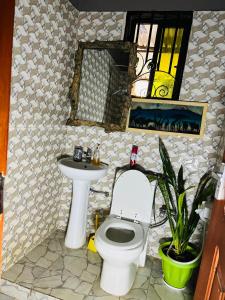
pixel 162 41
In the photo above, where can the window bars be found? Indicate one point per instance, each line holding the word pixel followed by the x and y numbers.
pixel 162 41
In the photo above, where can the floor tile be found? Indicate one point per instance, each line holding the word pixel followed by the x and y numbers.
pixel 48 282
pixel 84 288
pixel 14 290
pixel 75 266
pixel 167 293
pixel 45 291
pixel 152 294
pixel 96 290
pixel 39 296
pixel 25 276
pixel 5 297
pixel 71 283
pixel 94 269
pixel 53 271
pixel 146 270
pixel 37 253
pixel 141 282
pixel 136 294
pixel 66 294
pixel 108 297
pixel 13 273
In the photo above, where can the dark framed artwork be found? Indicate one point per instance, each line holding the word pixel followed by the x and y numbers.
pixel 167 117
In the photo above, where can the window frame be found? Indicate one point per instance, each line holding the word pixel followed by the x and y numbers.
pixel 177 19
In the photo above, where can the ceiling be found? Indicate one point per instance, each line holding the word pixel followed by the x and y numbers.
pixel 147 5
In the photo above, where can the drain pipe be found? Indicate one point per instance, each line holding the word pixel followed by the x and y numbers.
pixel 99 192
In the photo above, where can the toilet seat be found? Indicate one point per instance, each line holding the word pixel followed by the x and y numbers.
pixel 113 222
pixel 132 197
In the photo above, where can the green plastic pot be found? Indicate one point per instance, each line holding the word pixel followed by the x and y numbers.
pixel 177 274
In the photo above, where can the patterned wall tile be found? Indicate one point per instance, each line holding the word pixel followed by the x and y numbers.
pixel 43 62
pixel 105 26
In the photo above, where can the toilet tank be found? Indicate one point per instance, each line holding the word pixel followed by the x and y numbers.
pixel 133 196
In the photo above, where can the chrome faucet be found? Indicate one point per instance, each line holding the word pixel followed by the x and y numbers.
pixel 87 155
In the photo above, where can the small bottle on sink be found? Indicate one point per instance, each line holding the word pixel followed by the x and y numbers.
pixel 88 155
pixel 96 156
pixel 77 154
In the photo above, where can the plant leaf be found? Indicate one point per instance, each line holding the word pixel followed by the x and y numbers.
pixel 205 189
pixel 151 178
pixel 167 166
pixel 180 224
pixel 172 202
pixel 180 181
pixel 181 189
pixel 164 190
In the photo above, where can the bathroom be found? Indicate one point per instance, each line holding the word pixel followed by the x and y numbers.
pixel 36 195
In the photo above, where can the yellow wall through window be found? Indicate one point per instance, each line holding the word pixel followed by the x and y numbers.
pixel 165 73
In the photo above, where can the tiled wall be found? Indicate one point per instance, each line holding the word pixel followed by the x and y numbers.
pixel 204 80
pixel 43 62
pixel 37 197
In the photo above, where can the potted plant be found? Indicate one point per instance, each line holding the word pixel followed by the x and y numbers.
pixel 179 256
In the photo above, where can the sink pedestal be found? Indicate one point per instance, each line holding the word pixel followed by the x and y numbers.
pixel 82 174
pixel 76 231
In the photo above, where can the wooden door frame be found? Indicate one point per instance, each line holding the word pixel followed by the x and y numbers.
pixel 213 257
pixel 7 8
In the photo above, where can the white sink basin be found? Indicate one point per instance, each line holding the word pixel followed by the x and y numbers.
pixel 82 174
pixel 82 170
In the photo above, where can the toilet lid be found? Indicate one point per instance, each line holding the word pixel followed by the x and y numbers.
pixel 133 196
pixel 120 234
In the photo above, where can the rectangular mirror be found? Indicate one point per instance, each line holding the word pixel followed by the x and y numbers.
pixel 100 94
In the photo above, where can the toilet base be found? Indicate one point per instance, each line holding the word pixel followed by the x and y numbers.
pixel 117 280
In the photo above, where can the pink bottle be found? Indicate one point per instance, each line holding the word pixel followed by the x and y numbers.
pixel 133 156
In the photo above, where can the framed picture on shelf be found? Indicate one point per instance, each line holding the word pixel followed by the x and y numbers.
pixel 165 117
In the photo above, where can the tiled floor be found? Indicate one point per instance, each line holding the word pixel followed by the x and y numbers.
pixel 62 273
pixel 5 297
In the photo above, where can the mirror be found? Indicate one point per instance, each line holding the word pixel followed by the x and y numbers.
pixel 100 94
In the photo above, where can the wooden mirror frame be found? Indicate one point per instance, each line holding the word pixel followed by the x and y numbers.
pixel 75 88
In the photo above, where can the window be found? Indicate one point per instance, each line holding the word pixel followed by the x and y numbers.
pixel 162 42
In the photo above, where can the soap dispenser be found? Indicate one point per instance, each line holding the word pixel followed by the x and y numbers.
pixel 96 156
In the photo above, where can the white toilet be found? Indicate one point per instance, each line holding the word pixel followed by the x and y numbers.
pixel 122 238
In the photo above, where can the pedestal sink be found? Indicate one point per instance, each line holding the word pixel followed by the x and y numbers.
pixel 82 174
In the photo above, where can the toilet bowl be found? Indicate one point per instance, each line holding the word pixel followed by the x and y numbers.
pixel 122 238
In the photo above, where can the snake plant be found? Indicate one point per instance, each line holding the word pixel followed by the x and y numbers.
pixel 182 220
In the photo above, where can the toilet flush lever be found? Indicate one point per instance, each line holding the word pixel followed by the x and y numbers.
pixel 135 219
